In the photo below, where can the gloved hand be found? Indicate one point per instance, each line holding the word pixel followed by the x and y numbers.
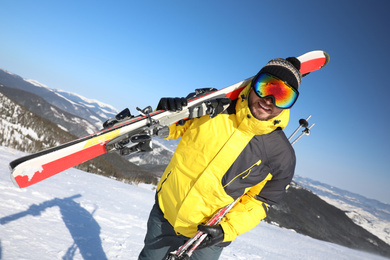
pixel 172 104
pixel 176 104
pixel 217 106
pixel 211 107
pixel 200 92
pixel 215 235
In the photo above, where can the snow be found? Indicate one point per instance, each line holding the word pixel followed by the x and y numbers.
pixel 34 82
pixel 16 132
pixel 371 215
pixel 90 101
pixel 368 221
pixel 78 215
pixel 8 72
pixel 63 128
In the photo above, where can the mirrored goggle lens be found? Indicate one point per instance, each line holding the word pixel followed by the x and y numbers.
pixel 284 96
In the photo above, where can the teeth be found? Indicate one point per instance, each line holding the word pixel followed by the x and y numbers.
pixel 266 108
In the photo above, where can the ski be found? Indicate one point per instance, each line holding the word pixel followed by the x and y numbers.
pixel 127 133
pixel 312 61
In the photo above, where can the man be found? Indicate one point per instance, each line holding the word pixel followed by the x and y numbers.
pixel 241 152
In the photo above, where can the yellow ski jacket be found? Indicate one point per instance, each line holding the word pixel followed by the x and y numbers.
pixel 220 159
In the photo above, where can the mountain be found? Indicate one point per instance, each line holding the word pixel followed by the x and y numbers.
pixel 78 215
pixel 26 131
pixel 304 212
pixel 91 110
pixel 71 123
pixel 372 215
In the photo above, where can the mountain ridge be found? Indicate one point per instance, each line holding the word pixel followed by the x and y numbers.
pixel 93 111
pixel 71 123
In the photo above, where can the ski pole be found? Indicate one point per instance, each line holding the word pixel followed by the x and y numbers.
pixel 302 123
pixel 304 132
pixel 213 221
pixel 184 252
pixel 203 236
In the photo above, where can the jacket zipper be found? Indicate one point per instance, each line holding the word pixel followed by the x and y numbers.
pixel 164 181
pixel 248 171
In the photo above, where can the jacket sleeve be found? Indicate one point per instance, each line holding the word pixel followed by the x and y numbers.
pixel 177 131
pixel 245 215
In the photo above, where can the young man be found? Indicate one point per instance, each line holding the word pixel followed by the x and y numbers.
pixel 241 152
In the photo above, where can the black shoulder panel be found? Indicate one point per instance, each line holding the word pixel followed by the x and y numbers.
pixel 282 164
pixel 264 154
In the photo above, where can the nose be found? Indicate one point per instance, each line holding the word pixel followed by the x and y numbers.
pixel 268 100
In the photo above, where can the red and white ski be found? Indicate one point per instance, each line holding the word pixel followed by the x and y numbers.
pixel 313 60
pixel 36 167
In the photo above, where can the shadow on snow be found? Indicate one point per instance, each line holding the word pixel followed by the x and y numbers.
pixel 83 228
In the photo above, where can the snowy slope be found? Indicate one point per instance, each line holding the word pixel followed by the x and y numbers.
pixel 372 215
pixel 77 215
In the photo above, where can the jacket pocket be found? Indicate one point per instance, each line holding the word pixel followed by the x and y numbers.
pixel 243 174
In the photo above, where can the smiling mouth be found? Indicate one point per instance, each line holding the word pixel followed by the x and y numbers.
pixel 264 107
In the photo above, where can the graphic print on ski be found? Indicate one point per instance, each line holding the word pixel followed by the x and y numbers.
pixel 36 167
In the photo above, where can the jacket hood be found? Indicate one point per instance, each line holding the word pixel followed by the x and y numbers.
pixel 247 122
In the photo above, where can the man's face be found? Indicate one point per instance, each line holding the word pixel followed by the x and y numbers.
pixel 262 108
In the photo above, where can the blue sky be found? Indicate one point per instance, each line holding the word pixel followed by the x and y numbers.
pixel 131 53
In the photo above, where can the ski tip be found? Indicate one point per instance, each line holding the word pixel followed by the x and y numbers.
pixel 313 60
pixel 327 57
pixel 14 181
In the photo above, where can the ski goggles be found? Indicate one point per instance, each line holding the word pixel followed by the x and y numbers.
pixel 283 95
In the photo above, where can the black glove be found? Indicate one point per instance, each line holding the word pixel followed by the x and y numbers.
pixel 211 107
pixel 217 106
pixel 215 235
pixel 200 92
pixel 172 104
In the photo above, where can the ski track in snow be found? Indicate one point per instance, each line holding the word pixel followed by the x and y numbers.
pixel 77 215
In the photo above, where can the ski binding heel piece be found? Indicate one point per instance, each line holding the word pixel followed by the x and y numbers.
pixel 124 114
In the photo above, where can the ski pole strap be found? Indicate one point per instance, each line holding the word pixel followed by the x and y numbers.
pixel 198 238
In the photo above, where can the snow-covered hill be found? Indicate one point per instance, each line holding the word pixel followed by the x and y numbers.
pixel 372 215
pixel 33 103
pixel 23 130
pixel 77 215
pixel 94 111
